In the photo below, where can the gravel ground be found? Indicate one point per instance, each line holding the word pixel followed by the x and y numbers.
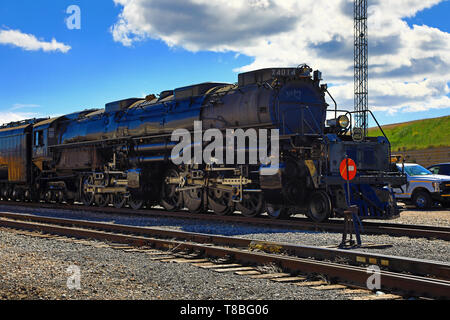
pixel 36 268
pixel 433 217
pixel 438 250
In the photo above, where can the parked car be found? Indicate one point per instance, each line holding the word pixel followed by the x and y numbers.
pixel 442 168
pixel 423 187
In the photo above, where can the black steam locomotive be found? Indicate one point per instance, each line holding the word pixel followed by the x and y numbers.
pixel 122 154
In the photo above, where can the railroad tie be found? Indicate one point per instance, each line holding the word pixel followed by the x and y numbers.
pixel 311 283
pixel 288 279
pixel 356 291
pixel 157 253
pixel 120 246
pixel 162 258
pixel 194 261
pixel 378 297
pixel 184 260
pixel 220 266
pixel 330 287
pixel 234 269
pixel 247 273
pixel 270 275
pixel 203 264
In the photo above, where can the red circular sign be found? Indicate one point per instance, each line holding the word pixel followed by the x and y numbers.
pixel 350 175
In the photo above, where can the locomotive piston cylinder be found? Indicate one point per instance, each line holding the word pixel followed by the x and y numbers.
pixel 148 159
pixel 154 147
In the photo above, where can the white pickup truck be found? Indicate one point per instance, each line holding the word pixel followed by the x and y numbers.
pixel 423 188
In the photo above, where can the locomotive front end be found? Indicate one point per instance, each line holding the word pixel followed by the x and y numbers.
pixel 312 148
pixel 371 188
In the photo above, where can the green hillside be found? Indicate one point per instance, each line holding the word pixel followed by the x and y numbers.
pixel 417 135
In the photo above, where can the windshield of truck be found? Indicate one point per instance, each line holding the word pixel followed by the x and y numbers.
pixel 416 170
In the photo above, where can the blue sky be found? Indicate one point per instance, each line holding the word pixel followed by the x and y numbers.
pixel 103 66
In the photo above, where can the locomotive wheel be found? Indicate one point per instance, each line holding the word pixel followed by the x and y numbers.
pixel 27 196
pixel 319 209
pixel 135 204
pixel 220 202
pixel 118 200
pixel 87 197
pixel 170 198
pixel 48 196
pixel 17 195
pixel 32 196
pixel 193 200
pixel 102 200
pixel 275 211
pixel 5 194
pixel 251 204
pixel 59 197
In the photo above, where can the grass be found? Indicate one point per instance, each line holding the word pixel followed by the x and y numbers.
pixel 417 135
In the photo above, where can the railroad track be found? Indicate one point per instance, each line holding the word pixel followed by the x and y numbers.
pixel 392 229
pixel 409 277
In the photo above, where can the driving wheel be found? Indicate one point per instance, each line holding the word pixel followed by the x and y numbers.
pixel 220 201
pixel 118 200
pixel 193 200
pixel 135 204
pixel 319 209
pixel 87 197
pixel 102 200
pixel 171 199
pixel 251 204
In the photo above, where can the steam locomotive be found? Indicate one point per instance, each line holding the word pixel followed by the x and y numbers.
pixel 123 154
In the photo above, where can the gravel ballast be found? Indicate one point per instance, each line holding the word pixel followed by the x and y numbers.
pixel 419 248
pixel 36 268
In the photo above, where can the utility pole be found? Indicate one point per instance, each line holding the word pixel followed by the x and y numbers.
pixel 361 65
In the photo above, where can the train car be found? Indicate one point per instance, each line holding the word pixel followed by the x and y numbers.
pixel 126 152
pixel 15 160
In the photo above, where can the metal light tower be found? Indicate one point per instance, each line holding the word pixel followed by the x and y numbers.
pixel 361 65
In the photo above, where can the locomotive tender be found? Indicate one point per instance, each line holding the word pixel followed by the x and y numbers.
pixel 122 154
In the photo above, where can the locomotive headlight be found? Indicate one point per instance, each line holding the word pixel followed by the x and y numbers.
pixel 343 121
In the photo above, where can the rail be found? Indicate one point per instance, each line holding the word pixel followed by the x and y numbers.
pixel 300 259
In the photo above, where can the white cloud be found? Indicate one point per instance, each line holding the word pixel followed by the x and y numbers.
pixel 409 66
pixel 19 106
pixel 19 112
pixel 395 97
pixel 10 116
pixel 29 42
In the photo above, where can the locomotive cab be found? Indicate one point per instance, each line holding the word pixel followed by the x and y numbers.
pixel 43 137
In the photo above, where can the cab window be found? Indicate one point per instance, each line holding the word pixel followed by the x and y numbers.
pixel 39 138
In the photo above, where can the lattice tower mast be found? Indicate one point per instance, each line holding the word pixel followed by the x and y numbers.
pixel 361 66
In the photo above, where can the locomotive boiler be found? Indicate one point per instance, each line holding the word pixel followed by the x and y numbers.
pixel 123 154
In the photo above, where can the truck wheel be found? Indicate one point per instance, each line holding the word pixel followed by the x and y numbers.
pixel 422 200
